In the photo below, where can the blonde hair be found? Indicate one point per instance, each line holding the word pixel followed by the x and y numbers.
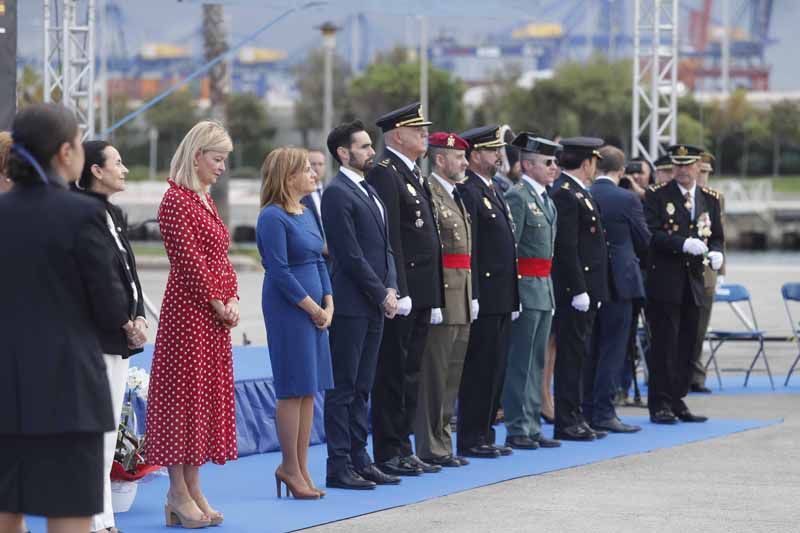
pixel 5 149
pixel 205 136
pixel 281 165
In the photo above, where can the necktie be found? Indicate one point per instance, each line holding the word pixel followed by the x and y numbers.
pixel 546 202
pixel 457 198
pixel 688 204
pixel 418 174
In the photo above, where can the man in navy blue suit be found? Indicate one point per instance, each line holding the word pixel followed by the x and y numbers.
pixel 364 283
pixel 628 240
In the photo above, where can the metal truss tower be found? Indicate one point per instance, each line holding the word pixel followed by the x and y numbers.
pixel 69 30
pixel 655 77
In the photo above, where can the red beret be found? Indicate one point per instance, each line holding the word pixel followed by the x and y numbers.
pixel 442 139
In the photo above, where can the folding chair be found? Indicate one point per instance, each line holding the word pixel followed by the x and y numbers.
pixel 791 292
pixel 733 294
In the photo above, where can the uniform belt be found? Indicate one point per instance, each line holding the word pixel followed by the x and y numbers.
pixel 456 261
pixel 534 267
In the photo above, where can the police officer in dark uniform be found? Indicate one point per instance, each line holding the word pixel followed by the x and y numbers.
pixel 685 220
pixel 414 237
pixel 494 273
pixel 580 280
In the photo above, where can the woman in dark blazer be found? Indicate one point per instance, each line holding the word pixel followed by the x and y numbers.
pixel 103 176
pixel 57 273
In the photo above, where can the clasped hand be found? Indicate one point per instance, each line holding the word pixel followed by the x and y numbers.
pixel 227 313
pixel 135 333
pixel 694 246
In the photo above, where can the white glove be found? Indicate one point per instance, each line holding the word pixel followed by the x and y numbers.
pixel 694 246
pixel 716 259
pixel 581 302
pixel 515 314
pixel 404 306
pixel 436 316
pixel 473 310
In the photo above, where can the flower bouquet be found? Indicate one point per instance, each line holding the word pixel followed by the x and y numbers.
pixel 129 466
pixel 704 232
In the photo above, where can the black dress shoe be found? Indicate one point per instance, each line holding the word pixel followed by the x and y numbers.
pixel 577 433
pixel 372 473
pixel 547 420
pixel 663 416
pixel 702 389
pixel 687 416
pixel 544 442
pixel 419 463
pixel 399 466
pixel 463 460
pixel 521 442
pixel 482 451
pixel 598 433
pixel 503 449
pixel 348 480
pixel 615 425
pixel 448 461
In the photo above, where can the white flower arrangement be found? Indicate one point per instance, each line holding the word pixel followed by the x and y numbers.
pixel 704 226
pixel 138 381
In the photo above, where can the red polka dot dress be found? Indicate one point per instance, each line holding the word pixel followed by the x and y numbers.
pixel 190 410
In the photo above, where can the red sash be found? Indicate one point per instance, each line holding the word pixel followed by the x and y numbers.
pixel 534 267
pixel 456 261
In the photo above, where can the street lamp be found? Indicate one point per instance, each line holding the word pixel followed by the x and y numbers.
pixel 328 30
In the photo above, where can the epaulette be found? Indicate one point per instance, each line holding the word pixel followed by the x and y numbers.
pixel 710 192
pixel 385 162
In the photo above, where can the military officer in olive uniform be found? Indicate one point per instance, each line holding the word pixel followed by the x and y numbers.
pixel 685 220
pixel 443 359
pixel 418 260
pixel 580 280
pixel 534 216
pixel 495 267
pixel 711 278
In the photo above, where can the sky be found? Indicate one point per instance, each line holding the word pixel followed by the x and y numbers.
pixel 391 23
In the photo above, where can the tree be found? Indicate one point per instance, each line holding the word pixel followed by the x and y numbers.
pixel 248 124
pixel 393 81
pixel 784 127
pixel 591 98
pixel 310 84
pixel 173 117
pixel 691 131
pixel 30 88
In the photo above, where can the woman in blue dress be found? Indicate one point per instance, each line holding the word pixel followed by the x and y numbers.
pixel 298 307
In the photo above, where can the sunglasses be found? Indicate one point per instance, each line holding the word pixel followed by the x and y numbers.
pixel 548 162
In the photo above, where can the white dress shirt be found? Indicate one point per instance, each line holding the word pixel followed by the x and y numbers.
pixel 357 179
pixel 409 163
pixel 446 185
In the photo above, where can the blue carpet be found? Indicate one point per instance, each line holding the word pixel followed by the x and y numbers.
pixel 245 490
pixel 249 362
pixel 757 384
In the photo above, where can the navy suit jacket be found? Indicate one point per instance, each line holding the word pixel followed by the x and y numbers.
pixel 358 242
pixel 627 235
pixel 309 203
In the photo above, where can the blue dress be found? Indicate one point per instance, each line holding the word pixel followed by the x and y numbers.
pixel 291 252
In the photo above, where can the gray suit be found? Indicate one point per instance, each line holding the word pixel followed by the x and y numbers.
pixel 534 233
pixel 446 346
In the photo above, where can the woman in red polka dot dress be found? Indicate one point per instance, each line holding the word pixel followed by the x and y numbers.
pixel 190 411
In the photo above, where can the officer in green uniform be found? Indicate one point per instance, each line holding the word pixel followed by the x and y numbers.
pixel 534 217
